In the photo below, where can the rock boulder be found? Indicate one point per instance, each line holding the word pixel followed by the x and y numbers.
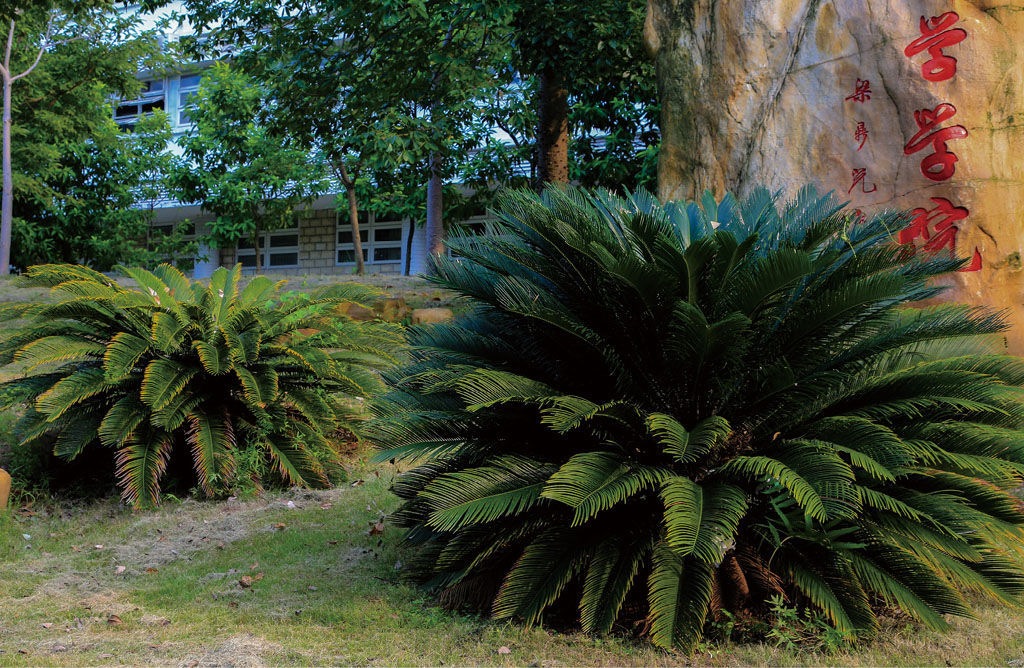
pixel 913 105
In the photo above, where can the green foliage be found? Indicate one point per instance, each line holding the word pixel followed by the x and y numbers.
pixel 675 413
pixel 178 366
pixel 98 215
pixel 235 168
pixel 77 184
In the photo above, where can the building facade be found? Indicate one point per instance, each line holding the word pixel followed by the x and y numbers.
pixel 320 241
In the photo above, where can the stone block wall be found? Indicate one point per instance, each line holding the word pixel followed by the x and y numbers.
pixel 317 249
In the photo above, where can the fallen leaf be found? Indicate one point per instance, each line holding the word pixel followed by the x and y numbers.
pixel 377 529
pixel 357 483
pixel 193 664
pixel 119 570
pixel 154 646
pixel 332 542
pixel 75 548
pixel 59 648
pixel 245 581
pixel 161 539
pixel 165 622
pixel 280 526
pixel 326 506
pixel 233 604
pixel 220 545
pixel 254 566
pixel 47 625
pixel 504 650
pixel 22 651
pixel 105 656
pixel 114 620
pixel 152 570
pixel 257 577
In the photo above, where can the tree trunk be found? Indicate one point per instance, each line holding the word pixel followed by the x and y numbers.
pixel 435 208
pixel 552 129
pixel 408 246
pixel 353 217
pixel 7 208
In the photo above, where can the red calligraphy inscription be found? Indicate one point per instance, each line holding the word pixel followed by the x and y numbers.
pixel 934 38
pixel 940 165
pixel 860 134
pixel 858 176
pixel 861 92
pixel 938 229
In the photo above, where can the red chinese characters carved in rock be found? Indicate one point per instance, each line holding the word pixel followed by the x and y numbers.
pixel 936 227
pixel 935 36
pixel 860 134
pixel 858 177
pixel 941 165
pixel 861 92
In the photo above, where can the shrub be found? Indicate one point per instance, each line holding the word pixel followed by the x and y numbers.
pixel 177 365
pixel 649 419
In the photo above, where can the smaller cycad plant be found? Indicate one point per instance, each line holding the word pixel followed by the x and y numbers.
pixel 213 368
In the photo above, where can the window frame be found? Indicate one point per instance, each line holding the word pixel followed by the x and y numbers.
pixel 146 97
pixel 268 250
pixel 183 94
pixel 369 225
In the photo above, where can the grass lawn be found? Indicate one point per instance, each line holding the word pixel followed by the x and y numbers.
pixel 304 578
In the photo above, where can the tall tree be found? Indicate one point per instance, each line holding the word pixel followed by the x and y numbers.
pixel 575 50
pixel 379 85
pixel 235 168
pixel 60 62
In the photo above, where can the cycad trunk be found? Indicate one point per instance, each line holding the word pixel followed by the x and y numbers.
pixel 552 129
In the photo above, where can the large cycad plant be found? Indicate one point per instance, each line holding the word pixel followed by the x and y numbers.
pixel 176 363
pixel 658 413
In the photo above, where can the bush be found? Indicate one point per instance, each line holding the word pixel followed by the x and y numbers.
pixel 176 366
pixel 647 418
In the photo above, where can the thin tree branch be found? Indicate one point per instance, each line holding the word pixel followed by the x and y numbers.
pixel 39 55
pixel 6 67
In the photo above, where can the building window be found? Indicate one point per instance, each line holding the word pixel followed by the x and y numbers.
pixel 381 237
pixel 188 88
pixel 128 112
pixel 280 250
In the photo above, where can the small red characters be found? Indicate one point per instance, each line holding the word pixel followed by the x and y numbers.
pixel 858 176
pixel 860 134
pixel 861 92
pixel 939 67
